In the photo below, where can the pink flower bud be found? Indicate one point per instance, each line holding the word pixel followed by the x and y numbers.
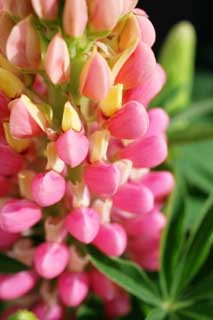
pixel 19 215
pixel 160 183
pixel 50 259
pixel 102 286
pixel 47 10
pixel 7 239
pixel 75 17
pixel 159 122
pixel 19 8
pixel 142 59
pixel 47 311
pixel 118 307
pixel 73 288
pixel 103 15
pixel 129 5
pixel 39 85
pixel 148 34
pixel 143 198
pixel 83 224
pixel 147 152
pixel 102 178
pixel 10 161
pixel 72 147
pixel 57 60
pixel 13 286
pixel 22 123
pixel 130 122
pixel 48 188
pixel 111 239
pixel 23 46
pixel 147 90
pixel 95 77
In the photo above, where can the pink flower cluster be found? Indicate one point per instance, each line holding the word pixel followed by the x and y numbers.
pixel 77 146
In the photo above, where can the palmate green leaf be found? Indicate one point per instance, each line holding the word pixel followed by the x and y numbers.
pixel 197 248
pixel 198 312
pixel 9 265
pixel 173 235
pixel 127 275
pixel 157 314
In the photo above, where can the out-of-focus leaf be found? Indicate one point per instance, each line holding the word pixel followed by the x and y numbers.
pixel 127 275
pixel 9 265
pixel 173 235
pixel 203 86
pixel 156 314
pixel 23 315
pixel 202 290
pixel 199 312
pixel 91 309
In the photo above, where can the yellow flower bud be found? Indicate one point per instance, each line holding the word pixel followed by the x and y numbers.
pixel 18 145
pixel 53 161
pixel 25 178
pixel 113 101
pixel 70 118
pixel 10 84
pixel 99 141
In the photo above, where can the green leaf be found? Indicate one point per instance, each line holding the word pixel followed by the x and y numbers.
pixel 9 265
pixel 23 315
pixel 173 236
pixel 202 290
pixel 203 85
pixel 156 314
pixel 127 275
pixel 199 311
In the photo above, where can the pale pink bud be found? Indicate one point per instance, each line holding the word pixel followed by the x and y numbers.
pixel 48 188
pixel 72 147
pixel 83 224
pixel 57 60
pixel 119 306
pixel 103 15
pixel 20 8
pixel 102 178
pixel 111 239
pixel 147 152
pixel 73 288
pixel 75 17
pixel 159 122
pixel 13 286
pixel 161 183
pixel 23 46
pixel 7 239
pixel 47 10
pixel 50 259
pixel 142 59
pixel 22 123
pixel 10 161
pixel 147 90
pixel 45 311
pixel 143 198
pixel 147 30
pixel 19 215
pixel 95 77
pixel 130 122
pixel 102 286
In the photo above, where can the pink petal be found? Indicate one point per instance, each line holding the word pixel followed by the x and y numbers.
pixel 148 34
pixel 102 286
pixel 75 17
pixel 10 161
pixel 159 122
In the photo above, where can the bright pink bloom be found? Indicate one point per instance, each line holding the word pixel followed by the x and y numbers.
pixel 133 198
pixel 72 147
pixel 47 10
pixel 10 161
pixel 146 257
pixel 130 122
pixel 19 215
pixel 75 17
pixel 23 46
pixel 111 239
pixel 13 286
pixel 48 311
pixel 22 124
pixel 103 15
pixel 143 60
pixel 159 122
pixel 102 286
pixel 147 152
pixel 83 224
pixel 102 178
pixel 95 78
pixel 48 188
pixel 161 183
pixel 50 259
pixel 148 34
pixel 57 60
pixel 119 306
pixel 73 288
pixel 7 239
pixel 148 89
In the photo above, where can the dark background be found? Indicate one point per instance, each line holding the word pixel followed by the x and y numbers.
pixel 165 14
